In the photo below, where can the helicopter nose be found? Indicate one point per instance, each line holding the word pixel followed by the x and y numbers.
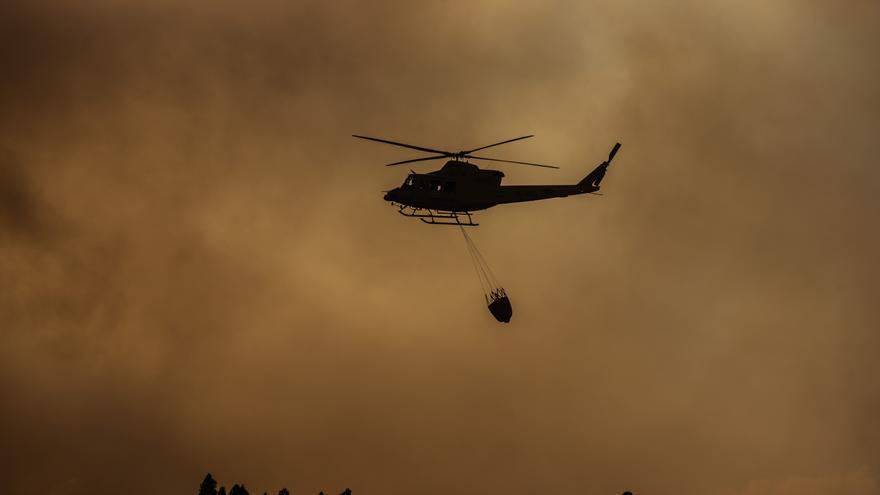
pixel 391 195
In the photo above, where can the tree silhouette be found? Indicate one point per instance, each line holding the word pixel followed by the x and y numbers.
pixel 208 486
pixel 238 490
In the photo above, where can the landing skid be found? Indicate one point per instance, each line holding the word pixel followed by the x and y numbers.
pixel 437 217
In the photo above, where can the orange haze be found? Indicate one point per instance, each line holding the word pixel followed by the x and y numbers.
pixel 198 272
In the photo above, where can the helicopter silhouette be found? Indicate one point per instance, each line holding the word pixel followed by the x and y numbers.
pixel 450 195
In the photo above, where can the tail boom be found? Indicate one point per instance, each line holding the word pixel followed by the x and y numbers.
pixel 589 184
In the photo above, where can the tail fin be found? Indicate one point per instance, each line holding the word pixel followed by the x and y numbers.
pixel 594 178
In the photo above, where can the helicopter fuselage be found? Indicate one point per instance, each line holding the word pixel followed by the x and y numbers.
pixel 463 187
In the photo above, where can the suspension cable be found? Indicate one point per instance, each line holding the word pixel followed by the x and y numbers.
pixel 488 281
pixel 481 277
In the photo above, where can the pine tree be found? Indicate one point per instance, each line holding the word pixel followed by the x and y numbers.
pixel 222 491
pixel 238 490
pixel 208 486
pixel 283 491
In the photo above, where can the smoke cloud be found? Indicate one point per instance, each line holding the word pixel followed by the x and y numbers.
pixel 198 272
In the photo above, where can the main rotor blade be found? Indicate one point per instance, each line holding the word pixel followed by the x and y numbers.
pixel 496 144
pixel 509 161
pixel 420 148
pixel 416 160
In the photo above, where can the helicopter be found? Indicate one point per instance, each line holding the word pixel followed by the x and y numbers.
pixel 449 196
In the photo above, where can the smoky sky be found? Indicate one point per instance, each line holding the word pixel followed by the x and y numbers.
pixel 198 272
